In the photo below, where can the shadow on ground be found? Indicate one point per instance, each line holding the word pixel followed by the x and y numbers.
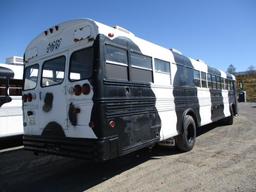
pixel 66 174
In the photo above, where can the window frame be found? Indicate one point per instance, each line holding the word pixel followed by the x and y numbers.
pixel 69 65
pixel 15 85
pixel 204 80
pixel 209 82
pixel 140 67
pixel 197 79
pixel 166 62
pixel 116 63
pixel 41 80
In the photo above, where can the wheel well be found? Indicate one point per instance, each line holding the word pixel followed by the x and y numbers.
pixel 193 115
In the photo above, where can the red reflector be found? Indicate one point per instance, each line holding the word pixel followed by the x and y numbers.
pixel 29 97
pixel 25 98
pixel 112 124
pixel 77 90
pixel 86 89
pixel 111 34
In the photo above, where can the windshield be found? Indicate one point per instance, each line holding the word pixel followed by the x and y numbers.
pixel 30 77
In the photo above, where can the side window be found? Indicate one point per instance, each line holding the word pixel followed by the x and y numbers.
pixel 222 83
pixel 162 66
pixel 232 85
pixel 209 78
pixel 141 68
pixel 116 63
pixel 115 54
pixel 15 87
pixel 196 78
pixel 184 76
pixel 226 84
pixel 218 80
pixel 81 63
pixel 53 72
pixel 214 82
pixel 3 87
pixel 30 77
pixel 229 84
pixel 203 79
pixel 142 61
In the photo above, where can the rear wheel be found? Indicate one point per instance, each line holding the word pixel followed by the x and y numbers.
pixel 186 140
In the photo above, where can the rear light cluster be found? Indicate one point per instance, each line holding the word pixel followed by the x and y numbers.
pixel 84 89
pixel 28 97
pixel 112 124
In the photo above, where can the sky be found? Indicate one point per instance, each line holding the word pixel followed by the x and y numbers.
pixel 220 32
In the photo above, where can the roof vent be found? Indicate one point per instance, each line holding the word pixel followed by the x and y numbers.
pixel 14 60
pixel 123 30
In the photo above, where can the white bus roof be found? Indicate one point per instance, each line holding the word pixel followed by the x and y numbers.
pixel 17 69
pixel 74 32
pixel 70 33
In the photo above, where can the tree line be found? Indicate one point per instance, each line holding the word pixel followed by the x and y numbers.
pixel 232 70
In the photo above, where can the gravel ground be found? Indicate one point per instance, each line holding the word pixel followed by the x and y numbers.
pixel 223 159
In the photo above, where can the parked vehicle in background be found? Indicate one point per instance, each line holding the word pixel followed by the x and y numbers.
pixel 11 82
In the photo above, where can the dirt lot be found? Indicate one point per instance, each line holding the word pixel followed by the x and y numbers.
pixel 224 159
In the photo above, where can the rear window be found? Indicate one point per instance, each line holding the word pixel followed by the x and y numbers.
pixel 30 77
pixel 81 64
pixel 53 71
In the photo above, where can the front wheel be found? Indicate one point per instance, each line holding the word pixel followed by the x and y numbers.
pixel 186 140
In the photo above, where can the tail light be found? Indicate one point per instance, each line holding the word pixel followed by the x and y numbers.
pixel 77 90
pixel 86 89
pixel 25 98
pixel 28 97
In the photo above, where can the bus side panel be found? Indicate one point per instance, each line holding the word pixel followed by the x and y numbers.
pixel 135 115
pixel 204 99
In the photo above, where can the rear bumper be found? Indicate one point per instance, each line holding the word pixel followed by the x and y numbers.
pixel 89 149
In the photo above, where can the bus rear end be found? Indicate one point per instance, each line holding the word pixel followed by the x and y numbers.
pixel 59 90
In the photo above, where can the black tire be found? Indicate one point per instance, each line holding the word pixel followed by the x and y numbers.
pixel 186 140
